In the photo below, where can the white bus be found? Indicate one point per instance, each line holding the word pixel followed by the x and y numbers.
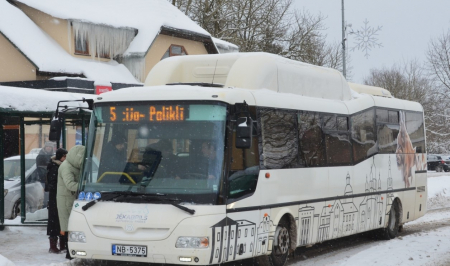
pixel 221 158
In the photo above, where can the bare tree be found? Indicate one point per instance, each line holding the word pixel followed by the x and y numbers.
pixel 271 26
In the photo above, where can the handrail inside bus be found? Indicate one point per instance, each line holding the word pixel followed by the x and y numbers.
pixel 117 173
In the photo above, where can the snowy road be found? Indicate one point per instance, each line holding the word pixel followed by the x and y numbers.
pixel 425 241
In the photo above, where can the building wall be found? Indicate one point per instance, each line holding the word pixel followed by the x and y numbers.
pixel 55 27
pixel 14 66
pixel 163 42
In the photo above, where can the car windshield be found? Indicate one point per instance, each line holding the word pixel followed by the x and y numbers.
pixel 171 149
pixel 12 168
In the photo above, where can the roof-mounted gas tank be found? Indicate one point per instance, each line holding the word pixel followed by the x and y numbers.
pixel 252 71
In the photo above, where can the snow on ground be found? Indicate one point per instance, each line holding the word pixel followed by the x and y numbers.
pixel 426 241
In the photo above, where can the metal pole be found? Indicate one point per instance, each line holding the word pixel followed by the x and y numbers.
pixel 22 169
pixel 344 70
pixel 64 137
pixel 2 178
pixel 83 129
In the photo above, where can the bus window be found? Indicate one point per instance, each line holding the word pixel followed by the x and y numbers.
pixel 415 129
pixel 363 135
pixel 387 130
pixel 311 144
pixel 337 141
pixel 279 138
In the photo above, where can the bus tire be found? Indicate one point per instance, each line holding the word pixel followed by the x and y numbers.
pixel 391 230
pixel 280 250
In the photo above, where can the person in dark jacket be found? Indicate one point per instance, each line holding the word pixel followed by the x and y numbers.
pixel 45 154
pixel 114 158
pixel 53 228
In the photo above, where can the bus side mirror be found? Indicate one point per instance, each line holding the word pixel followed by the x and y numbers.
pixel 55 128
pixel 244 131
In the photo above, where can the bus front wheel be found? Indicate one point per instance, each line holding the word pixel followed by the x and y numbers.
pixel 280 249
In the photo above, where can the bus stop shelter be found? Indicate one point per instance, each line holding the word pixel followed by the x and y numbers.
pixel 25 116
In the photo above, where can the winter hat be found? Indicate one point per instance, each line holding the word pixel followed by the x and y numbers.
pixel 60 153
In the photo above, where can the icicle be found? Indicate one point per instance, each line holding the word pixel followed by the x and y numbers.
pixel 103 40
pixel 136 65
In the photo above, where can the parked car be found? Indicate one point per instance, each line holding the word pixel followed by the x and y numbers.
pixel 438 163
pixel 34 189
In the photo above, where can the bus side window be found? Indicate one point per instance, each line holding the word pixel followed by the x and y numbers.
pixel 416 132
pixel 363 135
pixel 337 141
pixel 310 138
pixel 279 138
pixel 387 130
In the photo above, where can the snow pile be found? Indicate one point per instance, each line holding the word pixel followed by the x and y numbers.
pixel 225 47
pixel 21 99
pixel 48 56
pixel 5 262
pixel 438 192
pixel 146 16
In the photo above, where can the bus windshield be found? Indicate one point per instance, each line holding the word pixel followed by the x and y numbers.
pixel 173 150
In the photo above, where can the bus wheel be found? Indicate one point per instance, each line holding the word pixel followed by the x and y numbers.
pixel 391 231
pixel 280 249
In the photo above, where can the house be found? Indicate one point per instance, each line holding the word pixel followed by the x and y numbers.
pixel 104 41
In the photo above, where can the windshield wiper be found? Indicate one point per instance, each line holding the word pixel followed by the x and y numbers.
pixel 108 196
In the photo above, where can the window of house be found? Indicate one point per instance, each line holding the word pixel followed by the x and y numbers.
pixel 174 50
pixel 81 45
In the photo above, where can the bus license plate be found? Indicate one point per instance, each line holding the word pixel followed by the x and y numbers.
pixel 124 250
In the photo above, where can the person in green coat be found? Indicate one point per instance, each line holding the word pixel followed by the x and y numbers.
pixel 68 179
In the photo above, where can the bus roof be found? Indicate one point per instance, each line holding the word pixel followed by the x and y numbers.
pixel 252 71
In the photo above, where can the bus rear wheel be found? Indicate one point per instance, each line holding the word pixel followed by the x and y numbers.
pixel 280 249
pixel 391 231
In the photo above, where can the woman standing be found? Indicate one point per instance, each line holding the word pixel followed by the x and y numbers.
pixel 53 228
pixel 68 178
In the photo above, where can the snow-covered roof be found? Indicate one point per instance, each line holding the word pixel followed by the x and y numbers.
pixel 225 47
pixel 144 15
pixel 48 56
pixel 34 100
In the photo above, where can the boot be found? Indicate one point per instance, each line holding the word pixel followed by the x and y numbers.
pixel 66 238
pixel 53 243
pixel 62 243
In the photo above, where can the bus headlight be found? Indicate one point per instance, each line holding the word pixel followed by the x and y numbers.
pixel 5 192
pixel 77 237
pixel 192 242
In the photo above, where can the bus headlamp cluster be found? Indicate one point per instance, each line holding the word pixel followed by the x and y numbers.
pixel 89 196
pixel 76 236
pixel 192 242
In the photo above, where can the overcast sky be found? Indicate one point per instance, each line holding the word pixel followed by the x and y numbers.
pixel 407 27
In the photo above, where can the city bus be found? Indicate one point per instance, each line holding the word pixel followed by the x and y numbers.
pixel 221 158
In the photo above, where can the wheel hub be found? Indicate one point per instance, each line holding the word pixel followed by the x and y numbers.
pixel 283 241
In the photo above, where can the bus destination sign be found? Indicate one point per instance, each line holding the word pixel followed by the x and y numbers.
pixel 152 113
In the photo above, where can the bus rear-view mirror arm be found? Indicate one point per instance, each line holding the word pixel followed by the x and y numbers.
pixel 244 132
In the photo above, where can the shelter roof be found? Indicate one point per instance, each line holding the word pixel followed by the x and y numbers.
pixel 34 100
